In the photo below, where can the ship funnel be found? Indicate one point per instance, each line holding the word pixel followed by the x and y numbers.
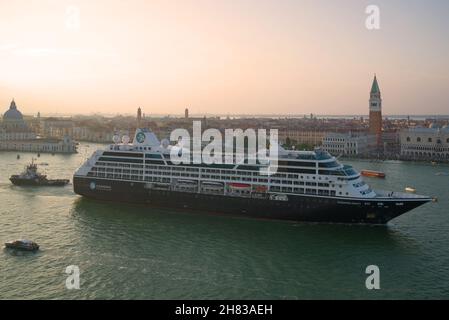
pixel 146 137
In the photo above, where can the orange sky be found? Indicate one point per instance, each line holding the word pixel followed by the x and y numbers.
pixel 219 56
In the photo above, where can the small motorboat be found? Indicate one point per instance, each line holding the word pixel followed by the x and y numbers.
pixel 372 173
pixel 22 244
pixel 442 174
pixel 410 189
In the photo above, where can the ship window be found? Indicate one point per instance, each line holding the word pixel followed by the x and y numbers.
pixel 120 160
pixel 332 172
pixel 154 162
pixel 253 168
pixel 332 164
pixel 153 156
pixel 296 170
pixel 297 164
pixel 123 154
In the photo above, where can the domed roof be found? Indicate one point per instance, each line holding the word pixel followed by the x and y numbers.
pixel 13 113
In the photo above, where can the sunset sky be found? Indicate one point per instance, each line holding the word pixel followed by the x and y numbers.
pixel 223 56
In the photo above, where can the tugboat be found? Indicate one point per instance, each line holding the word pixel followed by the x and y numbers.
pixel 30 177
pixel 22 244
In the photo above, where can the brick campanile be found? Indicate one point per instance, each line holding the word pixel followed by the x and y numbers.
pixel 139 118
pixel 375 111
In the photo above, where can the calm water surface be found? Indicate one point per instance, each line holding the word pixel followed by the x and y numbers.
pixel 132 251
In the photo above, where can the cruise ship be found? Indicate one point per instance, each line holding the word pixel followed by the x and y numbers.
pixel 310 186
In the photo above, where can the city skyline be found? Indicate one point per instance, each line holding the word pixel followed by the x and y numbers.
pixel 257 58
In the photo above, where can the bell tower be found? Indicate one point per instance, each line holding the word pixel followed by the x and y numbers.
pixel 375 111
pixel 139 118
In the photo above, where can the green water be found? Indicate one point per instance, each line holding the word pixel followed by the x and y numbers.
pixel 133 251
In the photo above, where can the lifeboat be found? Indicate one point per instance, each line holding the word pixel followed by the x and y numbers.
pixel 261 189
pixel 371 173
pixel 240 186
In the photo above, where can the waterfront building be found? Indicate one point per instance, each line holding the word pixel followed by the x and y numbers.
pixel 56 127
pixel 349 144
pixel 49 145
pixel 93 134
pixel 299 136
pixel 421 143
pixel 16 135
pixel 391 143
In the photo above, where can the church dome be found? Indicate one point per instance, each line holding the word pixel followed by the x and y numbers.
pixel 13 113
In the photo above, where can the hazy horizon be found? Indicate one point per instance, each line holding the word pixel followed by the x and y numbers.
pixel 222 57
pixel 241 115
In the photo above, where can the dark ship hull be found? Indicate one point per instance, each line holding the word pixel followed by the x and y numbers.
pixel 16 180
pixel 306 208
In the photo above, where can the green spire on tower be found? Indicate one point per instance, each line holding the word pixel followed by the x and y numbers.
pixel 375 86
